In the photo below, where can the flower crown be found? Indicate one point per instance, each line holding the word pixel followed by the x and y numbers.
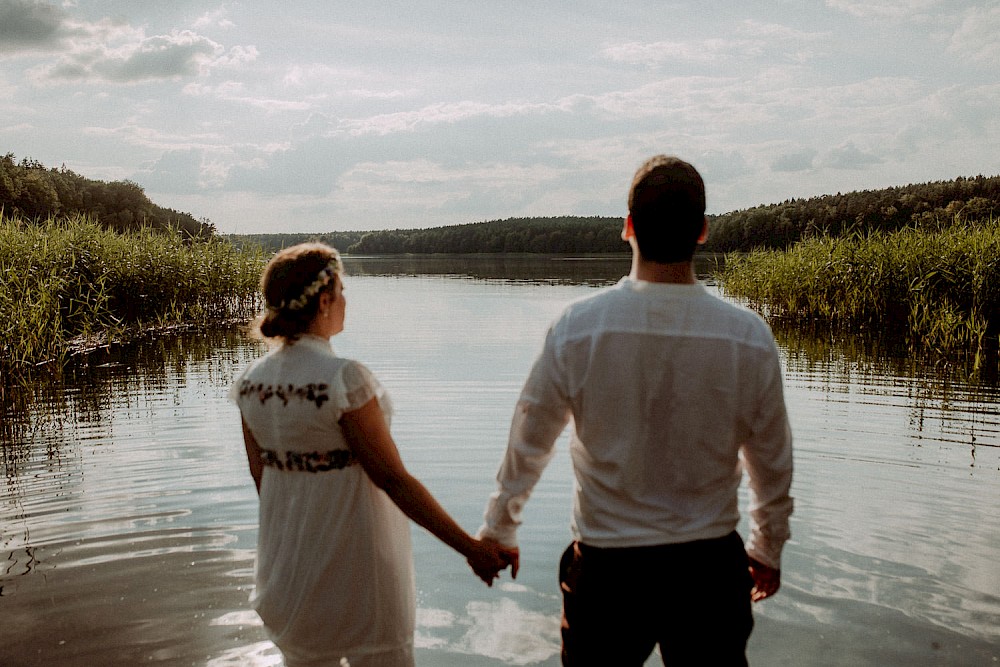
pixel 322 280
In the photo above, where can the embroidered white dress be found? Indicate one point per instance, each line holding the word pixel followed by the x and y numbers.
pixel 334 573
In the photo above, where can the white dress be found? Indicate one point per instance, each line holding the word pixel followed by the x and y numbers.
pixel 334 573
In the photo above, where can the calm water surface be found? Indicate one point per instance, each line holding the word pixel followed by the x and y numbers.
pixel 128 520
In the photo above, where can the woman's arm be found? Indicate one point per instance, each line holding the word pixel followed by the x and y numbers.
pixel 253 455
pixel 368 436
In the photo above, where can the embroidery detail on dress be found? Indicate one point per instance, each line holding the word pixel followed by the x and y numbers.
pixel 315 392
pixel 335 459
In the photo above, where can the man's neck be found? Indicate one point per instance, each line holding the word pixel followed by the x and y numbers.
pixel 681 273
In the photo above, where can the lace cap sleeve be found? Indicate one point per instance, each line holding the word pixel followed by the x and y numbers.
pixel 234 390
pixel 358 386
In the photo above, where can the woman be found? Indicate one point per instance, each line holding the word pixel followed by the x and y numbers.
pixel 334 573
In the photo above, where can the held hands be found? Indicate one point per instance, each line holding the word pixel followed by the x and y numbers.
pixel 766 580
pixel 489 557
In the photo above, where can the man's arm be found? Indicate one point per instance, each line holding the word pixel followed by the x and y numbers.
pixel 541 414
pixel 767 457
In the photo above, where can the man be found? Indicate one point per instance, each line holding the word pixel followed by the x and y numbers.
pixel 673 392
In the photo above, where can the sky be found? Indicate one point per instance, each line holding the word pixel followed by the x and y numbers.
pixel 327 115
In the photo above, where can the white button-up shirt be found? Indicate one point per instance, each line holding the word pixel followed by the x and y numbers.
pixel 673 392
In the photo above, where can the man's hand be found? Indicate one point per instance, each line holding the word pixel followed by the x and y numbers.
pixel 766 580
pixel 490 557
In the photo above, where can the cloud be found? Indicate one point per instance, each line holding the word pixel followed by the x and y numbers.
pixel 136 135
pixel 849 156
pixel 235 92
pixel 174 55
pixel 108 51
pixel 216 18
pixel 27 25
pixel 752 40
pixel 656 53
pixel 884 9
pixel 976 37
pixel 446 112
pixel 800 160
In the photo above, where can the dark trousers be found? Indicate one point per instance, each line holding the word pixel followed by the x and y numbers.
pixel 693 599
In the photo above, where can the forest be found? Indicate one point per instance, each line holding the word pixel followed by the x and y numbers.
pixel 926 206
pixel 31 191
pixel 578 235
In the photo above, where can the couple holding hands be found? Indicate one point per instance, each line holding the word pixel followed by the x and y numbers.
pixel 673 393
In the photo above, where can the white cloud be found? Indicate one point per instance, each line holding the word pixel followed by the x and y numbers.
pixel 453 112
pixel 656 53
pixel 106 50
pixel 753 39
pixel 978 36
pixel 140 58
pixel 369 117
pixel 215 18
pixel 885 9
pixel 236 57
pixel 152 138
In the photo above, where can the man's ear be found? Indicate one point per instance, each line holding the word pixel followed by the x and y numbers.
pixel 704 232
pixel 627 230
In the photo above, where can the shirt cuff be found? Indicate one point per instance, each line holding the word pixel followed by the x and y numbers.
pixel 507 537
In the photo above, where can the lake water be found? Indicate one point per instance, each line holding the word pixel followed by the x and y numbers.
pixel 128 519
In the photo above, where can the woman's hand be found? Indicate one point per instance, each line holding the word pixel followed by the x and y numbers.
pixel 489 557
pixel 368 436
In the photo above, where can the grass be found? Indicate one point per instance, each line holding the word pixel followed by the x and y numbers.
pixel 64 282
pixel 940 289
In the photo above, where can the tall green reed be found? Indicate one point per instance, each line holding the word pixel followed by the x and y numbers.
pixel 938 288
pixel 63 281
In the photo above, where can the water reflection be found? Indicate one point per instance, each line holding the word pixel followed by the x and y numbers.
pixel 592 270
pixel 127 519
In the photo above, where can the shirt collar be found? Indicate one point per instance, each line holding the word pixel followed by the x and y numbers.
pixel 651 288
pixel 317 343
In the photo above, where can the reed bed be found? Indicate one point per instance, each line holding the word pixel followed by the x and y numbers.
pixel 938 288
pixel 64 282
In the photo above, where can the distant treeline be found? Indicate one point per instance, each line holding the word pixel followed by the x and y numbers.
pixel 272 243
pixel 929 206
pixel 514 235
pixel 31 191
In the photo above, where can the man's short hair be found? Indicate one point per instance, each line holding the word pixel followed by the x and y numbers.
pixel 667 205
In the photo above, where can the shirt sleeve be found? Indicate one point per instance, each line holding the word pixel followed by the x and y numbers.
pixel 767 457
pixel 541 414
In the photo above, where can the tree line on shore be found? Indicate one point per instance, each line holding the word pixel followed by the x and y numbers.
pixel 31 191
pixel 929 206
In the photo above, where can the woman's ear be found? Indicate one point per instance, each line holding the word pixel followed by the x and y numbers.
pixel 326 299
pixel 704 232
